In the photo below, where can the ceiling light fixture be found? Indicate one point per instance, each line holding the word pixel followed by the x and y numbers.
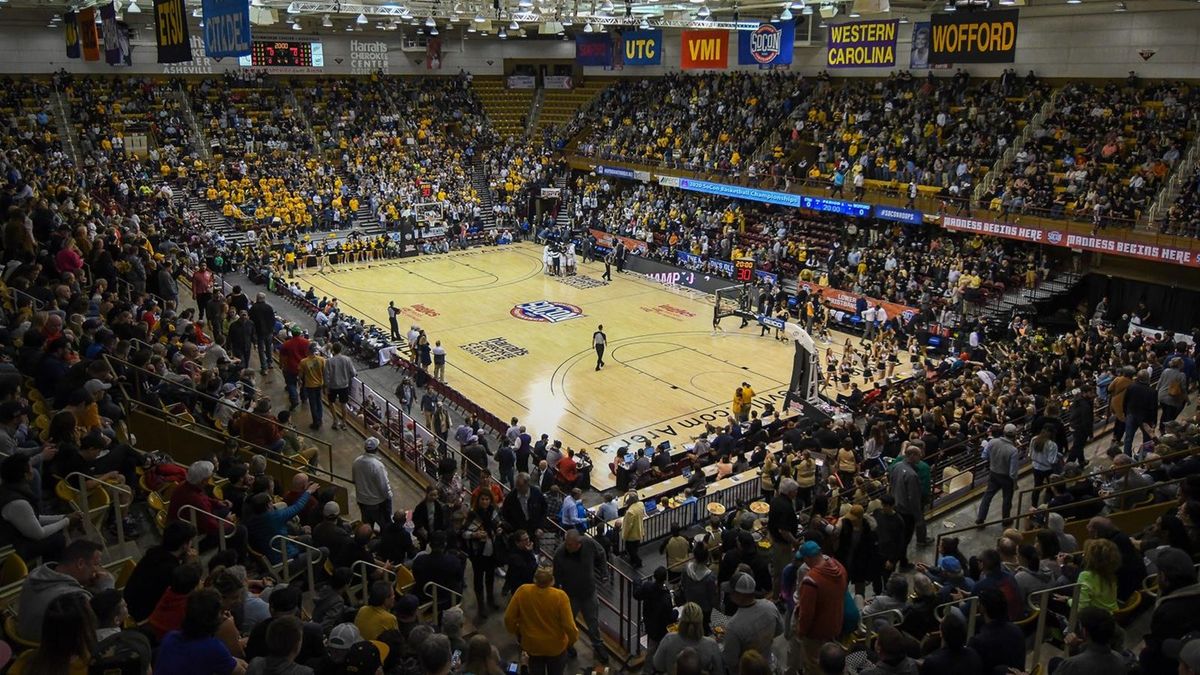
pixel 362 19
pixel 644 25
pixel 786 14
pixel 587 28
pixel 513 25
pixel 704 12
pixel 433 31
pixel 1120 7
pixel 296 26
pixel 807 11
pixel 904 19
pixel 950 7
pixel 503 34
pixel 471 28
pixel 429 22
pixel 292 9
pixel 326 21
pixel 133 8
pixel 606 6
pixel 1074 2
pixel 198 13
pixel 479 17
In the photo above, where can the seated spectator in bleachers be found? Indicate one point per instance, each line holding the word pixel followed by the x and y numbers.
pixel 31 534
pixel 78 572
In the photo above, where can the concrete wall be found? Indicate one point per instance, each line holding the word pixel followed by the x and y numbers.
pixel 1065 45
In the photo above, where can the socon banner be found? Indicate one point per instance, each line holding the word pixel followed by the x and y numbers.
pixel 71 34
pixel 643 47
pixel 593 50
pixel 768 45
pixel 701 49
pixel 862 44
pixel 226 28
pixel 89 37
pixel 974 37
pixel 171 32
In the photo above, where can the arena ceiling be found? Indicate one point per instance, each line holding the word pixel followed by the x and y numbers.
pixel 551 17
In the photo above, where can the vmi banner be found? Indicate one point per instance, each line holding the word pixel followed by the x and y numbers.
pixel 701 49
pixel 862 44
pixel 768 45
pixel 642 47
pixel 171 32
pixel 226 28
pixel 974 37
pixel 593 50
pixel 71 34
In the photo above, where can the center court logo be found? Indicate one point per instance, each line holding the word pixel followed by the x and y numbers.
pixel 546 311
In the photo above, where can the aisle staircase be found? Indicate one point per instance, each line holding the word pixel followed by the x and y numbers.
pixel 66 130
pixel 303 116
pixel 560 105
pixel 1000 309
pixel 1181 174
pixel 484 190
pixel 1037 122
pixel 508 109
pixel 362 220
pixel 198 139
pixel 563 219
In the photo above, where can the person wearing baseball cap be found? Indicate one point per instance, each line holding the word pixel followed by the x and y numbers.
pixel 1175 612
pixel 820 608
pixel 372 488
pixel 754 625
pixel 365 658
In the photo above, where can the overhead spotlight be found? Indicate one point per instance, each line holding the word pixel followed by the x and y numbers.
pixel 503 35
pixel 807 11
pixel 349 27
pixel 1074 2
pixel 904 19
pixel 606 6
pixel 525 4
pixel 133 8
pixel 854 14
pixel 296 26
pixel 786 14
pixel 362 19
pixel 198 13
pixel 292 9
pixel 513 25
pixel 433 31
pixel 1120 7
pixel 479 17
pixel 326 21
pixel 471 28
pixel 704 12
pixel 950 7
pixel 202 23
pixel 429 22
pixel 588 28
pixel 799 4
pixel 566 20
pixel 644 25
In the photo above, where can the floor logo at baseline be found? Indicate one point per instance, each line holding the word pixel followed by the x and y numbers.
pixel 546 311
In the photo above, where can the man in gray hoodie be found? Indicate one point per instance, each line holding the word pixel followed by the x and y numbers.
pixel 78 572
pixel 576 563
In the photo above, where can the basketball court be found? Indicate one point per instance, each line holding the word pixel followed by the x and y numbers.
pixel 519 343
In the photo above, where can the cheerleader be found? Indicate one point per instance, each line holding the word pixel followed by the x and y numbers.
pixel 893 360
pixel 913 351
pixel 847 349
pixel 845 370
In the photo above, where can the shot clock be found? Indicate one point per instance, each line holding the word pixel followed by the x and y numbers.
pixel 743 270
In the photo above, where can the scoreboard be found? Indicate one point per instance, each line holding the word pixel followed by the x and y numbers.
pixel 743 270
pixel 285 54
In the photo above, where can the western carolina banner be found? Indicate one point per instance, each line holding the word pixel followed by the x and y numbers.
pixel 643 47
pixel 71 34
pixel 862 44
pixel 701 49
pixel 171 32
pixel 226 28
pixel 593 50
pixel 108 33
pixel 88 35
pixel 974 37
pixel 768 45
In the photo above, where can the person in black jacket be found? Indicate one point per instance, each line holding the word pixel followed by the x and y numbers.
pixel 524 508
pixel 152 574
pixel 1175 613
pixel 262 315
pixel 522 562
pixel 954 657
pixel 430 515
pixel 658 612
pixel 239 338
pixel 1141 409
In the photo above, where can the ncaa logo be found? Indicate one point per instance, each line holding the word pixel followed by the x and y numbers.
pixel 765 42
pixel 546 311
pixel 1054 236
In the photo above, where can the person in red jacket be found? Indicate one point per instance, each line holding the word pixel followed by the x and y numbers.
pixel 192 492
pixel 293 351
pixel 820 604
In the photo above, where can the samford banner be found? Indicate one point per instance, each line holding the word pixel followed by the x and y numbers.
pixel 768 45
pixel 88 35
pixel 862 44
pixel 699 49
pixel 974 37
pixel 171 32
pixel 71 34
pixel 226 28
pixel 642 47
pixel 593 50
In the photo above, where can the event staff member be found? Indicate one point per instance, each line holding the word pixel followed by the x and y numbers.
pixel 599 341
pixel 395 325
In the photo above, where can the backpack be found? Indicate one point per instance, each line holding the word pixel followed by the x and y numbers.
pixel 126 653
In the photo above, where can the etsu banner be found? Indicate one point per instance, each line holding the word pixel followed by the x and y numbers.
pixel 700 49
pixel 71 34
pixel 974 37
pixel 88 36
pixel 862 44
pixel 768 45
pixel 593 50
pixel 171 32
pixel 643 47
pixel 226 28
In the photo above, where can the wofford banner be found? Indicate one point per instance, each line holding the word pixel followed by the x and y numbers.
pixel 974 37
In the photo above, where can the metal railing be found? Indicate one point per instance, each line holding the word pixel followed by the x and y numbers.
pixel 311 560
pixel 1019 499
pixel 433 590
pixel 362 569
pixel 194 513
pixel 1043 609
pixel 972 610
pixel 82 497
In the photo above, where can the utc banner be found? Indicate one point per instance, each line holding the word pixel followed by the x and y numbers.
pixel 643 47
pixel 171 32
pixel 701 49
pixel 593 50
pixel 226 28
pixel 862 44
pixel 88 35
pixel 768 45
pixel 71 34
pixel 974 37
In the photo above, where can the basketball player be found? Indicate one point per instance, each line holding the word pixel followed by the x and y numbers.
pixel 599 341
pixel 392 314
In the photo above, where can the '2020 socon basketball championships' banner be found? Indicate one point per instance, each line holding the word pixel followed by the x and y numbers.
pixel 704 49
pixel 862 44
pixel 974 37
pixel 768 45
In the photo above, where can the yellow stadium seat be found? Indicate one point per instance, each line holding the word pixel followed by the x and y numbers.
pixel 12 570
pixel 10 629
pixel 404 579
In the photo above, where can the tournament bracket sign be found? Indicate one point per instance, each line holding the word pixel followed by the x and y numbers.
pixel 743 270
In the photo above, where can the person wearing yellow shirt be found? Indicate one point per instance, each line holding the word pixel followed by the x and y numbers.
pixel 376 616
pixel 312 377
pixel 540 617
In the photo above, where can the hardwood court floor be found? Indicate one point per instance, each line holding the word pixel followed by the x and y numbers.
pixel 665 374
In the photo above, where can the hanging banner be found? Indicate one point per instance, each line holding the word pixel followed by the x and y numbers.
pixel 862 44
pixel 704 49
pixel 171 31
pixel 558 82
pixel 974 37
pixel 847 301
pixel 593 49
pixel 433 54
pixel 898 215
pixel 108 32
pixel 643 47
pixel 89 37
pixel 123 46
pixel 71 34
pixel 768 45
pixel 226 28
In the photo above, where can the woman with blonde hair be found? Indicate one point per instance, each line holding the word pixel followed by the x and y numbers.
pixel 690 633
pixel 1098 580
